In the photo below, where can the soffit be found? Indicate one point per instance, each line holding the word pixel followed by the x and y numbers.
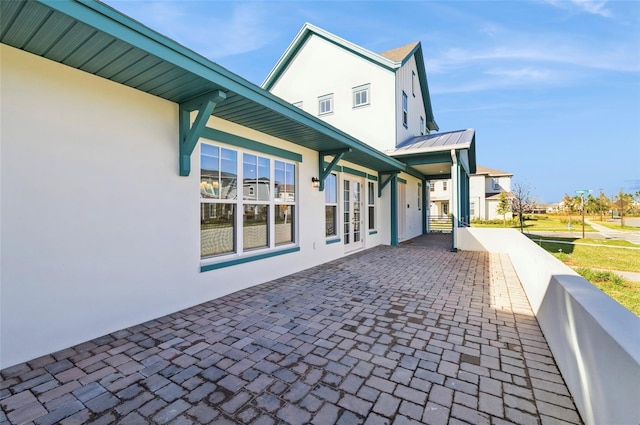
pixel 92 37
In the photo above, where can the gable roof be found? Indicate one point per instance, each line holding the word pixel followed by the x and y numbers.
pixel 492 172
pixel 391 60
pixel 400 54
pixel 93 37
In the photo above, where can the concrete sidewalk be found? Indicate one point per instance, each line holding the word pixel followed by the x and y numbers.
pixel 633 237
pixel 406 335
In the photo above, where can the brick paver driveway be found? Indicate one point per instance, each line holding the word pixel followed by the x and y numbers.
pixel 411 334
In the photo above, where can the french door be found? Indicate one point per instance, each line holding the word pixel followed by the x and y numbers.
pixel 353 219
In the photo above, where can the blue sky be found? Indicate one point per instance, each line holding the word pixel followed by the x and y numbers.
pixel 551 87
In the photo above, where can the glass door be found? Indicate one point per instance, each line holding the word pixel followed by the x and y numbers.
pixel 352 214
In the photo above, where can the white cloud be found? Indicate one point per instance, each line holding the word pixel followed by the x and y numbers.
pixel 594 7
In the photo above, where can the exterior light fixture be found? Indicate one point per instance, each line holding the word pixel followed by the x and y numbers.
pixel 315 182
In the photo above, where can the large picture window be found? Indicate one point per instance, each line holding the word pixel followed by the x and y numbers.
pixel 331 205
pixel 266 206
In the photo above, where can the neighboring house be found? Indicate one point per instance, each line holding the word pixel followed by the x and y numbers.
pixel 170 181
pixel 485 188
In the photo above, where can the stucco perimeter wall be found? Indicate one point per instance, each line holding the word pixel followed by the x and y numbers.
pixel 98 229
pixel 595 341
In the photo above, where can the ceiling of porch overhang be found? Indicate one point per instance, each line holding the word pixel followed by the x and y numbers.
pixel 95 38
pixel 431 154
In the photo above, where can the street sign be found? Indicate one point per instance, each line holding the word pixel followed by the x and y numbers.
pixel 583 192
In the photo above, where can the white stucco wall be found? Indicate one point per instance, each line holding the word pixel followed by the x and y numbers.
pixel 322 68
pixel 98 230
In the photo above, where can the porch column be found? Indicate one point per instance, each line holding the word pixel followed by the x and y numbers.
pixel 394 210
pixel 455 199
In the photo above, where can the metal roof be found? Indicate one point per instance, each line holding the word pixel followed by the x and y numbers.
pixel 431 154
pixel 93 37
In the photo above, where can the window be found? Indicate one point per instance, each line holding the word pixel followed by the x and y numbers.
pixel 419 196
pixel 371 204
pixel 267 205
pixel 405 109
pixel 444 185
pixel 496 184
pixel 331 205
pixel 432 186
pixel 445 209
pixel 472 209
pixel 361 96
pixel 325 104
pixel 298 104
pixel 421 125
pixel 413 83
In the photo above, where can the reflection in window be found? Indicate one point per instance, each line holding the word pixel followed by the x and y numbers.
pixel 255 226
pixel 371 203
pixel 284 223
pixel 217 229
pixel 331 205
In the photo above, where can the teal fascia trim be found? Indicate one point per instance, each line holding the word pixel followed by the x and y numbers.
pixel 438 176
pixel 401 180
pixel 331 241
pixel 323 171
pixel 424 87
pixel 372 177
pixel 373 232
pixel 235 262
pixel 241 142
pixel 413 172
pixel 422 159
pixel 353 172
pixel 385 181
pixel 394 210
pixel 189 136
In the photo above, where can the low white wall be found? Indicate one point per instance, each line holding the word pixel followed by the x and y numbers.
pixel 594 340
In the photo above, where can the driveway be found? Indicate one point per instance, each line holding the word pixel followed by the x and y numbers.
pixel 407 335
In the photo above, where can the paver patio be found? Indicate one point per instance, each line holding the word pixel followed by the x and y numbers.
pixel 409 334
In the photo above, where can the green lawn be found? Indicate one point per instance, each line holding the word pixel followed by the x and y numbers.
pixel 623 291
pixel 542 223
pixel 616 226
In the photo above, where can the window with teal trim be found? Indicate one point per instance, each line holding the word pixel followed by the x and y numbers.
pixel 371 204
pixel 331 205
pixel 247 202
pixel 419 196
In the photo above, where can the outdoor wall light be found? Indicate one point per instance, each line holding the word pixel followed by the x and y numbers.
pixel 315 182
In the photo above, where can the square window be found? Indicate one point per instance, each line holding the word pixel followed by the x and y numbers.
pixel 361 96
pixel 325 104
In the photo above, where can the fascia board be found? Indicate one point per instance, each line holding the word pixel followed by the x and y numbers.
pixel 424 87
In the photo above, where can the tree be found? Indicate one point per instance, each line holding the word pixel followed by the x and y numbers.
pixel 569 205
pixel 622 202
pixel 521 203
pixel 592 205
pixel 503 207
pixel 603 203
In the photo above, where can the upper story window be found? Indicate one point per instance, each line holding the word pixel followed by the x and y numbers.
pixel 405 109
pixel 298 104
pixel 413 83
pixel 496 183
pixel 247 202
pixel 444 185
pixel 422 126
pixel 361 96
pixel 432 186
pixel 325 104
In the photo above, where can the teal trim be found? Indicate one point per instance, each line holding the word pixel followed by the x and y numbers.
pixel 394 210
pixel 330 241
pixel 401 180
pixel 413 172
pixel 189 136
pixel 235 262
pixel 384 182
pixel 426 158
pixel 353 172
pixel 372 177
pixel 438 176
pixel 373 232
pixel 241 142
pixel 323 171
pixel 337 168
pixel 425 207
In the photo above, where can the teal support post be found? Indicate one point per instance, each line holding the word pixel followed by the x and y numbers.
pixel 189 135
pixel 394 210
pixel 424 207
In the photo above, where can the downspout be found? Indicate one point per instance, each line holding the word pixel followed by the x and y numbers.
pixel 454 201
